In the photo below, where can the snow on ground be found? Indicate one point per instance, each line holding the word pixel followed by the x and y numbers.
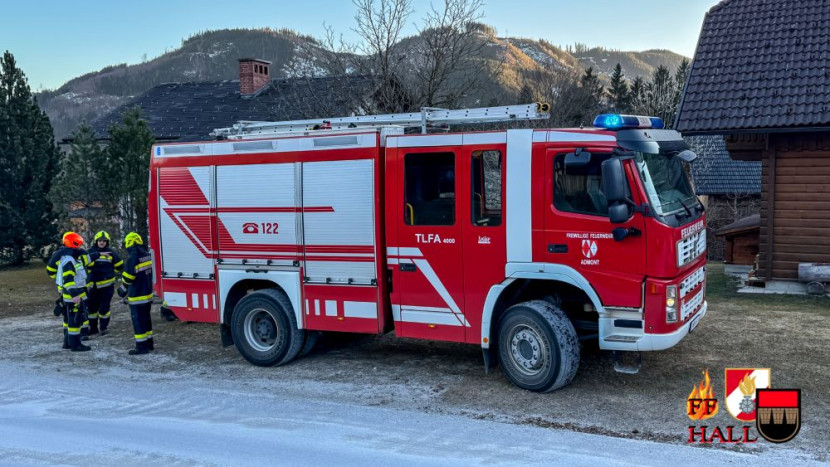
pixel 58 416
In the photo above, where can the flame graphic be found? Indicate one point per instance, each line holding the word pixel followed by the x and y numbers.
pixel 703 390
pixel 747 386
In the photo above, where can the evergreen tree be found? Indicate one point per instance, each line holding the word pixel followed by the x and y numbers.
pixel 660 95
pixel 590 82
pixel 618 94
pixel 637 95
pixel 28 164
pixel 80 187
pixel 129 163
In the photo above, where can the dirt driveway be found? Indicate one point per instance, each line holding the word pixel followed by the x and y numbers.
pixel 790 335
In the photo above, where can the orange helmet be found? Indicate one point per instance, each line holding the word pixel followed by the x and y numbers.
pixel 72 240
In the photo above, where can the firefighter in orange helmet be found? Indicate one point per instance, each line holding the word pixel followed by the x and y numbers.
pixel 68 267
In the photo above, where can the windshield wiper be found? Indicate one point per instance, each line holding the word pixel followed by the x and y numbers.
pixel 688 211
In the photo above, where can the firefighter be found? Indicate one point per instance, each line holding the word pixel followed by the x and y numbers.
pixel 137 286
pixel 70 276
pixel 102 283
pixel 69 238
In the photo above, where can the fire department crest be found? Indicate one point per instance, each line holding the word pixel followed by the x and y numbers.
pixel 741 384
pixel 779 414
pixel 589 248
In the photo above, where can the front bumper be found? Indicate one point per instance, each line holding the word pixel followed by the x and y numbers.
pixel 635 340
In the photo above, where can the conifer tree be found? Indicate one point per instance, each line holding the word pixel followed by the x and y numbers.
pixel 28 164
pixel 80 188
pixel 129 163
pixel 618 94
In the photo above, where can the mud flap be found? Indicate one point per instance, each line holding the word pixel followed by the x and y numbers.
pixel 489 360
pixel 225 335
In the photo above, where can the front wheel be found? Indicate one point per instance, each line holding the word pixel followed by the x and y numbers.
pixel 264 328
pixel 538 346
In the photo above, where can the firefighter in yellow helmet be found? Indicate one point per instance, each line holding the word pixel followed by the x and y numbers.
pixel 137 286
pixel 103 273
pixel 68 267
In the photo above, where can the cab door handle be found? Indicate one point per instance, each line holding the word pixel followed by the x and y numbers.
pixel 407 267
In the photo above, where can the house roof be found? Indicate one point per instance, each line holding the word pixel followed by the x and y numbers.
pixel 746 224
pixel 759 65
pixel 715 173
pixel 190 111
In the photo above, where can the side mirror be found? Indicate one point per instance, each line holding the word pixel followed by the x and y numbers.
pixel 619 212
pixel 686 156
pixel 577 159
pixel 613 180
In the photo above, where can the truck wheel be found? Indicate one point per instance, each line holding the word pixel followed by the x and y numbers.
pixel 538 346
pixel 265 329
pixel 311 338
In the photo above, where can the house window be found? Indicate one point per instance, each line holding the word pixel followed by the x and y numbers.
pixel 578 189
pixel 429 189
pixel 486 184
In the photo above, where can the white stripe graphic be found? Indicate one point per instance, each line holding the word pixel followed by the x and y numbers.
pixel 195 299
pixel 360 310
pixel 331 307
pixel 426 317
pixel 433 279
pixel 733 400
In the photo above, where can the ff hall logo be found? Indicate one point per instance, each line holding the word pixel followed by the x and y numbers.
pixel 779 414
pixel 702 403
pixel 741 384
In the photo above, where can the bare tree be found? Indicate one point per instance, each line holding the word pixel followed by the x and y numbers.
pixel 447 58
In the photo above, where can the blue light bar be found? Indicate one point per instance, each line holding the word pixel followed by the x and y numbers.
pixel 618 122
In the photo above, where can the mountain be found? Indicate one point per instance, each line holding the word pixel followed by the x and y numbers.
pixel 213 56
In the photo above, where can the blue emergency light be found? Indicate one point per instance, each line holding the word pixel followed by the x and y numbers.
pixel 618 122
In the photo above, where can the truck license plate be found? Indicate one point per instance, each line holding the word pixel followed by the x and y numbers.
pixel 694 322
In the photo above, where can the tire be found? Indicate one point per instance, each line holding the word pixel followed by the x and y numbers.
pixel 537 346
pixel 264 328
pixel 311 338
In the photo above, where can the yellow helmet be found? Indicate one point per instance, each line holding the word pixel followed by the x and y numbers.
pixel 101 236
pixel 131 239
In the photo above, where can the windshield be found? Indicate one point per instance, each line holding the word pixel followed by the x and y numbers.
pixel 666 183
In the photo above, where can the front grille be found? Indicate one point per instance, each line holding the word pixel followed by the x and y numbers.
pixel 689 306
pixel 692 281
pixel 691 247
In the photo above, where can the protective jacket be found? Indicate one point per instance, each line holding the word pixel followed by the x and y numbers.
pixel 70 273
pixel 138 276
pixel 104 269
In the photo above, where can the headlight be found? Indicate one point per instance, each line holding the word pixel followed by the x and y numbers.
pixel 671 304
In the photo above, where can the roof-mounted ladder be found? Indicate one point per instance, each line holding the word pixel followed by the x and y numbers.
pixel 426 117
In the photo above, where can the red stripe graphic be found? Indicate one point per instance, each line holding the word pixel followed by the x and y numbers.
pixel 772 398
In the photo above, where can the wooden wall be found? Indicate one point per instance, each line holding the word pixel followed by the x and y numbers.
pixel 795 200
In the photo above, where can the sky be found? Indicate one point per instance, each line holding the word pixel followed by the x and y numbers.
pixel 55 41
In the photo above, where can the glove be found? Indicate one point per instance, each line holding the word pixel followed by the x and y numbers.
pixel 58 307
pixel 122 291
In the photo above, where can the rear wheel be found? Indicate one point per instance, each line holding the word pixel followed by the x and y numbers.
pixel 538 346
pixel 264 328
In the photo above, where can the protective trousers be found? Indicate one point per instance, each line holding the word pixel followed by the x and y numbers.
pixel 74 319
pixel 99 308
pixel 142 325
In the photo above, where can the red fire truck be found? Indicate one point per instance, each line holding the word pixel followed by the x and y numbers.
pixel 522 241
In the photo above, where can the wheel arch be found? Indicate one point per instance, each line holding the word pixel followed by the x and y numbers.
pixel 529 275
pixel 235 284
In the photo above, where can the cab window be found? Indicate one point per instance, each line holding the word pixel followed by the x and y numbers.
pixel 486 183
pixel 429 189
pixel 579 189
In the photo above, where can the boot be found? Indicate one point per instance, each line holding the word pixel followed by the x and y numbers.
pixel 66 345
pixel 81 348
pixel 104 331
pixel 93 327
pixel 138 351
pixel 150 345
pixel 84 338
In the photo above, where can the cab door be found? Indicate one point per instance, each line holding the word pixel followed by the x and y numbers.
pixel 578 231
pixel 428 281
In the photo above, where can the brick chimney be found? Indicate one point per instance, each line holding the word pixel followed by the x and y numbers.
pixel 254 75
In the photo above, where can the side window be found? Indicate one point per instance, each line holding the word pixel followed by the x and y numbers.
pixel 487 182
pixel 429 189
pixel 579 189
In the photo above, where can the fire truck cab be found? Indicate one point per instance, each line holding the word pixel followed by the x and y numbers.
pixel 523 242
